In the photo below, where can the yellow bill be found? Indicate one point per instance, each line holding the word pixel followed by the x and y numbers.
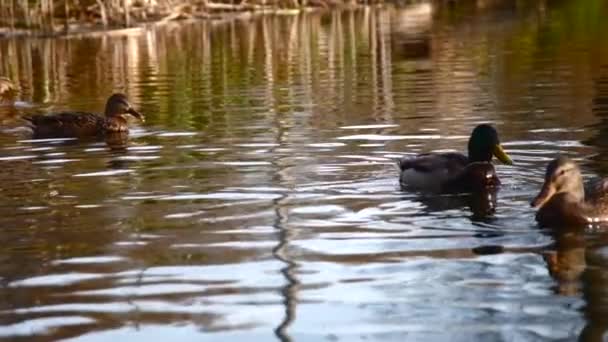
pixel 502 155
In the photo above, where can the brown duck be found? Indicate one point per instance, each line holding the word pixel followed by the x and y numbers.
pixel 565 201
pixel 8 91
pixel 83 125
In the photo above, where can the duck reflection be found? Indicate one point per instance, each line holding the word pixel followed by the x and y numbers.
pixel 579 267
pixel 117 141
pixel 482 203
pixel 475 186
pixel 567 262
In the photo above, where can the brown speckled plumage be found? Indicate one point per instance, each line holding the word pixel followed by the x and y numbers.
pixel 81 124
pixel 565 201
pixel 8 91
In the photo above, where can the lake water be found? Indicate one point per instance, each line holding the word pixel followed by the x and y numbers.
pixel 260 200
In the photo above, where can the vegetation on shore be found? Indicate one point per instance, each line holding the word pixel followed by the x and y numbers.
pixel 64 16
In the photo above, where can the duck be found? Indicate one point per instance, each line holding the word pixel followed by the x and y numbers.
pixel 83 125
pixel 441 172
pixel 564 200
pixel 8 92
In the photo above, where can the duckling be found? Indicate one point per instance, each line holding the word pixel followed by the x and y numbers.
pixel 436 171
pixel 565 201
pixel 82 125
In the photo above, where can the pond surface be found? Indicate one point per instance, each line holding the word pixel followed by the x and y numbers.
pixel 260 200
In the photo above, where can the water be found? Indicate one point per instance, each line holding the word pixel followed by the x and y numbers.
pixel 260 200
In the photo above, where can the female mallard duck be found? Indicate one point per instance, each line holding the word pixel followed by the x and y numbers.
pixel 8 91
pixel 565 201
pixel 441 171
pixel 82 125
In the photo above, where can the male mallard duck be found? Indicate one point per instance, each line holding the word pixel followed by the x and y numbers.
pixel 8 91
pixel 565 201
pixel 438 171
pixel 82 125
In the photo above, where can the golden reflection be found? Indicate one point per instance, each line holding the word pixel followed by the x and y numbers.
pixel 578 266
pixel 148 64
pixel 567 262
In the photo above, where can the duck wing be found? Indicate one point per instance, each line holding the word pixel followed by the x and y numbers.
pixel 429 171
pixel 431 162
pixel 596 200
pixel 596 190
pixel 66 124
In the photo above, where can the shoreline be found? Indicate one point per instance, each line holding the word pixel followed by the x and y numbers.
pixel 95 29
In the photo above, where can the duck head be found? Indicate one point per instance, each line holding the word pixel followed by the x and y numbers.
pixel 118 106
pixel 563 176
pixel 484 144
pixel 8 91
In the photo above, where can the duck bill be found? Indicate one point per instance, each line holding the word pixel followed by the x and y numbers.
pixel 136 114
pixel 502 155
pixel 545 194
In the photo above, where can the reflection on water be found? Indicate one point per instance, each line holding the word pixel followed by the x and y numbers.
pixel 261 199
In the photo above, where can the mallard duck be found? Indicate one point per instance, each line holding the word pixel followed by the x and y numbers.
pixel 82 125
pixel 565 201
pixel 8 91
pixel 438 171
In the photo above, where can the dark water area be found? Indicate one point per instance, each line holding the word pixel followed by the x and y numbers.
pixel 260 200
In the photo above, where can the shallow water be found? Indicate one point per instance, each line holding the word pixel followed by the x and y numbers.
pixel 260 199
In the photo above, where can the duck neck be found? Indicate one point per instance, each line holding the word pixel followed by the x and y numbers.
pixel 479 155
pixel 576 190
pixel 579 192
